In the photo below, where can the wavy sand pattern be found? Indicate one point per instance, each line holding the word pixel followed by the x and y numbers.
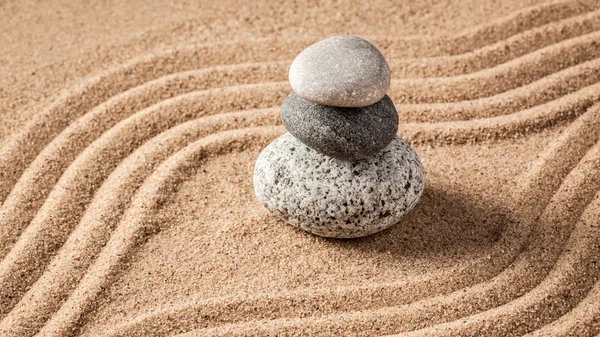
pixel 126 206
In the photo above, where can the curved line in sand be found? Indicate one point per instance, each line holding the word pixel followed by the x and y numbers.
pixel 34 304
pixel 69 197
pixel 494 54
pixel 559 152
pixel 568 188
pixel 572 274
pixel 146 200
pixel 549 293
pixel 515 73
pixel 486 34
pixel 539 117
pixel 22 147
pixel 69 203
pixel 536 93
pixel 60 152
pixel 65 198
pixel 57 151
pixel 105 210
pixel 569 144
pixel 580 321
pixel 109 112
pixel 117 104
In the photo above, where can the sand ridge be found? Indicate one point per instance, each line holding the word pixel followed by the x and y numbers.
pixel 90 181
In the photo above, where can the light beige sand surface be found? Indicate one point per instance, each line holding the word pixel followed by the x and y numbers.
pixel 130 130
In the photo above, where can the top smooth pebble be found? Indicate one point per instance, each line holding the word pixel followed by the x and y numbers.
pixel 344 71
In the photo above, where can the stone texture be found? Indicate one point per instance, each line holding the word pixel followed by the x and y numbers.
pixel 334 198
pixel 344 133
pixel 345 71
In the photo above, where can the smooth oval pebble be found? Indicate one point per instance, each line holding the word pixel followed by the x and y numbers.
pixel 344 133
pixel 335 198
pixel 345 71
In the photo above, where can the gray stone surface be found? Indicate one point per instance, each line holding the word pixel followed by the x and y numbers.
pixel 334 198
pixel 343 71
pixel 344 133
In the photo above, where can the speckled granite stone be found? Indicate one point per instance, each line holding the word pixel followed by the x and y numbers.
pixel 343 71
pixel 344 133
pixel 334 198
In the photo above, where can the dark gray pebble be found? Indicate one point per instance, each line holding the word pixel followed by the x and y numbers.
pixel 344 133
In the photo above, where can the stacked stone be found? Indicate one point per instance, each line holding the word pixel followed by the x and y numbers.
pixel 340 171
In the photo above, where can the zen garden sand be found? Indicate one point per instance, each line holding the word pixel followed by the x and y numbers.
pixel 129 134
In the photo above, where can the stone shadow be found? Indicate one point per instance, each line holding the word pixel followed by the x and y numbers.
pixel 443 222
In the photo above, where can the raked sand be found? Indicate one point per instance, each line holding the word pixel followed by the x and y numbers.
pixel 130 130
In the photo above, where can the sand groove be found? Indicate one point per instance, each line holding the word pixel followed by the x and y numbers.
pixel 24 202
pixel 168 319
pixel 67 201
pixel 500 52
pixel 515 73
pixel 12 218
pixel 90 119
pixel 75 202
pixel 534 119
pixel 102 215
pixel 479 37
pixel 380 321
pixel 546 89
pixel 74 212
pixel 135 67
pixel 23 147
pixel 53 160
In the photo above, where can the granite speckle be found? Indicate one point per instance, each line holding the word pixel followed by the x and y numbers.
pixel 345 71
pixel 334 198
pixel 344 133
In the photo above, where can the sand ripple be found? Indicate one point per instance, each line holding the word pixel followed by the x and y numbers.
pixel 89 182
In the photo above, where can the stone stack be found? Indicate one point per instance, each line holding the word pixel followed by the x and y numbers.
pixel 341 171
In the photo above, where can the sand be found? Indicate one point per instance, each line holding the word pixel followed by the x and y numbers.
pixel 130 130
